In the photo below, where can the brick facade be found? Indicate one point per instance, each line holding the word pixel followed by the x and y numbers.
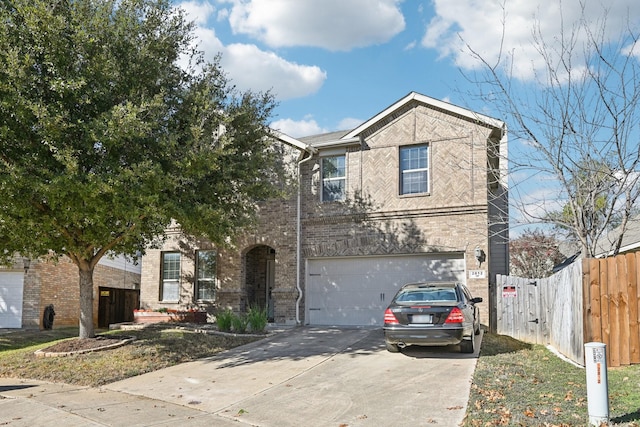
pixel 241 271
pixel 453 218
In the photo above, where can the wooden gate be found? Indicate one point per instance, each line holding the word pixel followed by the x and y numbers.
pixel 544 311
pixel 116 305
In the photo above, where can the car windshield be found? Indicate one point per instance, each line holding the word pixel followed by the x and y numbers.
pixel 431 294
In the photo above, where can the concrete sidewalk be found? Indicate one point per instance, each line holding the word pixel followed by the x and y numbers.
pixel 303 376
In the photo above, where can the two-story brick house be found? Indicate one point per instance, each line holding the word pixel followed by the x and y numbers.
pixel 417 192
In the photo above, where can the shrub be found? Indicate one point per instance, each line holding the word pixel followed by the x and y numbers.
pixel 257 318
pixel 239 324
pixel 225 320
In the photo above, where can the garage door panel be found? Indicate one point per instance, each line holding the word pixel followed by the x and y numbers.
pixel 356 290
pixel 424 270
pixel 353 316
pixel 354 300
pixel 11 294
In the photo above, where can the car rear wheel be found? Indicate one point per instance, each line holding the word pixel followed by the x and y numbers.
pixel 392 348
pixel 468 345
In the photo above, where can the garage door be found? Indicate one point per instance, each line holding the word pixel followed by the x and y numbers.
pixel 11 285
pixel 355 291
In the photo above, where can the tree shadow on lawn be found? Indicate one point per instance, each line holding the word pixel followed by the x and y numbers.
pixel 627 418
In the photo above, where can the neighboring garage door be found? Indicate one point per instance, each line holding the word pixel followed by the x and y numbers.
pixel 11 289
pixel 355 291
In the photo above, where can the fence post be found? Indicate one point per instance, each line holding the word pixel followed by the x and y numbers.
pixel 597 384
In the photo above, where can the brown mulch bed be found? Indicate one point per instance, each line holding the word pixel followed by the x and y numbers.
pixel 82 344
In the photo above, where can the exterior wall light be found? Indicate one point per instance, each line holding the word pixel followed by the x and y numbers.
pixel 480 256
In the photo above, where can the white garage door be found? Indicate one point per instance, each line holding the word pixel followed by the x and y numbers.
pixel 11 289
pixel 356 290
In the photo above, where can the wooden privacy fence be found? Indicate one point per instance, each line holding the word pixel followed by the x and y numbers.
pixel 611 295
pixel 544 311
pixel 593 300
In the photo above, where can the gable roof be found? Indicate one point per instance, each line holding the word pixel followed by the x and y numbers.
pixel 431 102
pixel 352 137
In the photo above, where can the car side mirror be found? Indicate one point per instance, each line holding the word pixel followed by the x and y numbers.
pixel 476 300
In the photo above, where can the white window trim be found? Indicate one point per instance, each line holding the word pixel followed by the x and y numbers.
pixel 213 280
pixel 164 281
pixel 340 153
pixel 426 169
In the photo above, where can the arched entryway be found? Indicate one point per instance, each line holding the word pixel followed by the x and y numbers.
pixel 260 277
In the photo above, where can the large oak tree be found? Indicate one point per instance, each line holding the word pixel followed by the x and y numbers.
pixel 105 138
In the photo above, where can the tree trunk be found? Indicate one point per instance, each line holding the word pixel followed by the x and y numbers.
pixel 86 302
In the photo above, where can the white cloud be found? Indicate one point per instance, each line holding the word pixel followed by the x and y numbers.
pixel 308 126
pixel 533 196
pixel 297 129
pixel 336 25
pixel 198 12
pixel 411 45
pixel 534 205
pixel 249 67
pixel 349 123
pixel 479 23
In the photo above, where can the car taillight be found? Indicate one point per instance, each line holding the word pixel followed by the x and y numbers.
pixel 389 317
pixel 455 316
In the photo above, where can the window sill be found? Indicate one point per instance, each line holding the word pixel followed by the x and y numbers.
pixel 407 196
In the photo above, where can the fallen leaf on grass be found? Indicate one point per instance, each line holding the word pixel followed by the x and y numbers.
pixel 581 402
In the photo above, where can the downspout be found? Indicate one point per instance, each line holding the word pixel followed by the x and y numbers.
pixel 299 232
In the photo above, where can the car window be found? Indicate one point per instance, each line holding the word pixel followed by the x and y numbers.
pixel 427 295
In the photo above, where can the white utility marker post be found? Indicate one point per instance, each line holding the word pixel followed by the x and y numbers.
pixel 595 358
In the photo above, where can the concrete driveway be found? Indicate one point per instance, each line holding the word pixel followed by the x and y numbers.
pixel 318 377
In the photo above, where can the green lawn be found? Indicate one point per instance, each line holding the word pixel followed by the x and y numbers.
pixel 518 384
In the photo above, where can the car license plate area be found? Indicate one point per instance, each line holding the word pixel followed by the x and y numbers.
pixel 422 318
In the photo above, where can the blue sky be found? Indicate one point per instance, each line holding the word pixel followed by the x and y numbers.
pixel 333 64
pixel 337 63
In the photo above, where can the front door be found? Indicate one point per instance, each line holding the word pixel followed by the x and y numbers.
pixel 271 278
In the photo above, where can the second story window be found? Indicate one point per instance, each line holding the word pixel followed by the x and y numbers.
pixel 206 275
pixel 170 289
pixel 333 178
pixel 414 169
